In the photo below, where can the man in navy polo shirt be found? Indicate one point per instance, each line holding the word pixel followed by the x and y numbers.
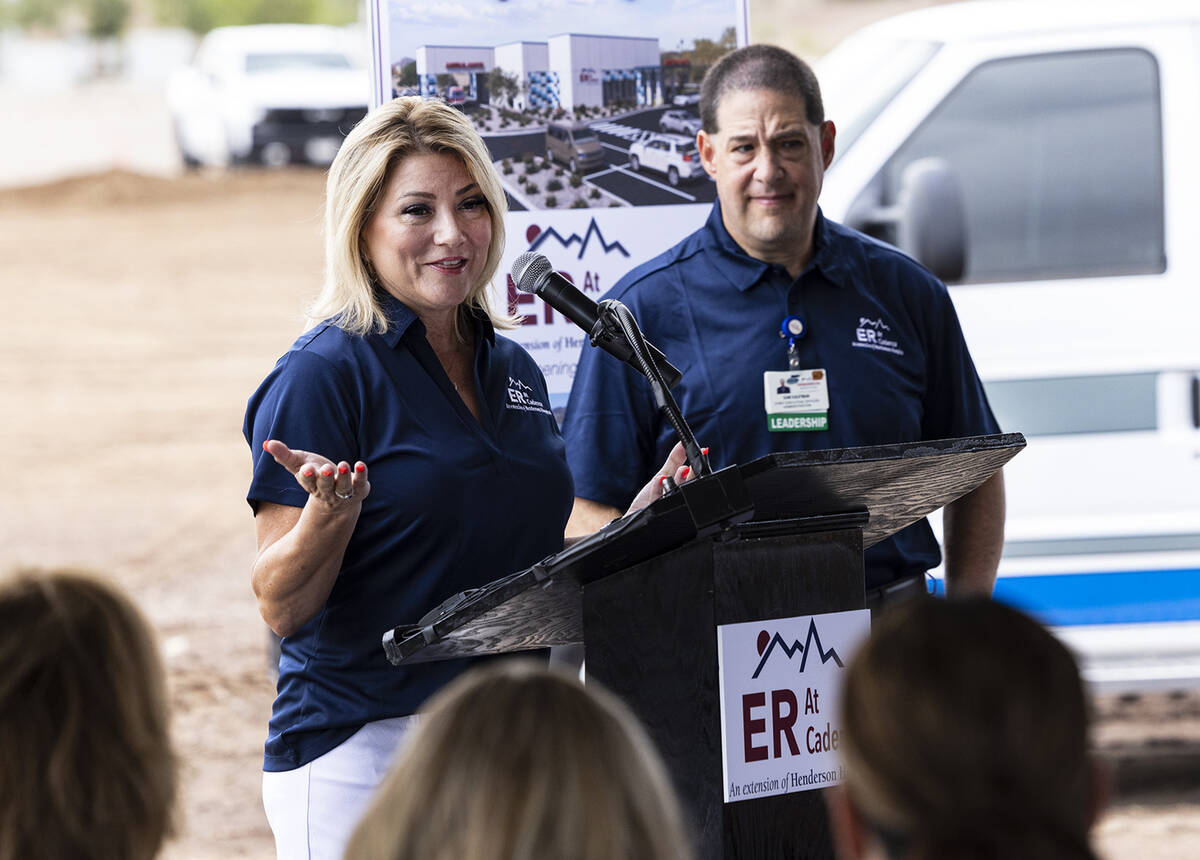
pixel 872 352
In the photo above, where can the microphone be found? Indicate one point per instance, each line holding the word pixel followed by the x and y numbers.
pixel 532 273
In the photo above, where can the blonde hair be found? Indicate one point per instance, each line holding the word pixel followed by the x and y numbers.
pixel 518 762
pixel 964 735
pixel 357 179
pixel 88 770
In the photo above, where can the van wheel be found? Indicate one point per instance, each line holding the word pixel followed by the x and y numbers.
pixel 672 176
pixel 634 163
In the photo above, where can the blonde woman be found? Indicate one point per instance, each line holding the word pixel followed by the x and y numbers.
pixel 516 762
pixel 403 452
pixel 964 735
pixel 87 769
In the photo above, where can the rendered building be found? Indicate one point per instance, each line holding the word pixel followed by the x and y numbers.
pixel 567 70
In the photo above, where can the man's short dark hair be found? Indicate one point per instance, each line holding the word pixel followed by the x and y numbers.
pixel 760 67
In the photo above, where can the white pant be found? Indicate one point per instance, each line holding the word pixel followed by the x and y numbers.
pixel 313 809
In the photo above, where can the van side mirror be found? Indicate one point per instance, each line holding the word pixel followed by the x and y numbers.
pixel 931 218
pixel 927 221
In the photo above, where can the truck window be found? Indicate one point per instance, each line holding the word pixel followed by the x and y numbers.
pixel 1060 159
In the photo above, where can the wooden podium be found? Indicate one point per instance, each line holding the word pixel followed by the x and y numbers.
pixel 780 537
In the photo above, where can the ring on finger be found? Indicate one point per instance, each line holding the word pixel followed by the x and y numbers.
pixel 344 496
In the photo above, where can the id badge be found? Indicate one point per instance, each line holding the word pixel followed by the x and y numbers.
pixel 796 400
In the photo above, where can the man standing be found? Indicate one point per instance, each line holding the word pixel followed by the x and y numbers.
pixel 769 285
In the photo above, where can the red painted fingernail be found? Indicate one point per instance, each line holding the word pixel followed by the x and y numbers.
pixel 687 470
pixel 308 473
pixel 704 451
pixel 662 479
pixel 326 471
pixel 265 441
pixel 342 470
pixel 361 467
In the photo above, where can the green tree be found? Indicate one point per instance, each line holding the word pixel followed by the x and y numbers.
pixel 500 83
pixel 705 52
pixel 37 13
pixel 408 74
pixel 200 16
pixel 282 11
pixel 106 19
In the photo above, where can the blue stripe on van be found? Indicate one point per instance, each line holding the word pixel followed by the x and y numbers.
pixel 1118 597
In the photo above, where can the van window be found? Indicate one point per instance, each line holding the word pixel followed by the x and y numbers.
pixel 1077 404
pixel 1060 159
pixel 583 134
pixel 861 76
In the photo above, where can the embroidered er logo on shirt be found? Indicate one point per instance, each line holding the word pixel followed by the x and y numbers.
pixel 520 397
pixel 873 334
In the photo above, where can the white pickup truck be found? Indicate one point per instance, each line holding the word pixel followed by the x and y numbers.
pixel 1042 158
pixel 268 93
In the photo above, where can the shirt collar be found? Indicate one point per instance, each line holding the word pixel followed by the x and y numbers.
pixel 833 255
pixel 742 270
pixel 830 256
pixel 400 319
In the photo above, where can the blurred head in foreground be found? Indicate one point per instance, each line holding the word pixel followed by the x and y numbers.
pixel 86 766
pixel 517 762
pixel 964 738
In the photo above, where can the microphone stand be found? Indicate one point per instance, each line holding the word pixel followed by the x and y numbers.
pixel 613 316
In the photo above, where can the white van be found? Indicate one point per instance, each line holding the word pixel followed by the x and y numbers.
pixel 1042 158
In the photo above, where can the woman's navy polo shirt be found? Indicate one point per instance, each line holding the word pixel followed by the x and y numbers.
pixel 881 326
pixel 455 503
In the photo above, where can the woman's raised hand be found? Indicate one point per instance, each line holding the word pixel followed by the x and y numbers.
pixel 337 485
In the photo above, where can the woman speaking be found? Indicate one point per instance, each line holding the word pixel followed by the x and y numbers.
pixel 403 452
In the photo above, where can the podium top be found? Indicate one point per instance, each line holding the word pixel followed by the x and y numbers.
pixel 892 486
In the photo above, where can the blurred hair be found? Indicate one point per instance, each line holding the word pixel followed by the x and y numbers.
pixel 87 770
pixel 759 67
pixel 518 762
pixel 964 735
pixel 357 178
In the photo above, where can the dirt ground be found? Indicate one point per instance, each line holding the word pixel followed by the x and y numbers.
pixel 142 313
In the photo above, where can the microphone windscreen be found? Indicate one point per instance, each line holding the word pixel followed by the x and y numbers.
pixel 528 271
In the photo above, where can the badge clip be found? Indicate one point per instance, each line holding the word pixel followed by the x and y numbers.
pixel 793 329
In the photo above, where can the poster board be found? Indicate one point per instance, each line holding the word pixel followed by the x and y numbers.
pixel 574 110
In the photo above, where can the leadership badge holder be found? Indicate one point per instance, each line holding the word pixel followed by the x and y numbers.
pixel 796 400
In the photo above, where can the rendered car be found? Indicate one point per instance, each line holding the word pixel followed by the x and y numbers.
pixel 680 122
pixel 575 145
pixel 271 93
pixel 672 154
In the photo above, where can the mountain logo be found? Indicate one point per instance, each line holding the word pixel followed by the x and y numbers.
pixel 520 397
pixel 878 325
pixel 536 237
pixel 767 643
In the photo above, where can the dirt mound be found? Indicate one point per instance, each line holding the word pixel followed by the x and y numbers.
pixel 128 189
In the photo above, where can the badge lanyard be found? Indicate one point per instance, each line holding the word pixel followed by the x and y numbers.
pixel 799 399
